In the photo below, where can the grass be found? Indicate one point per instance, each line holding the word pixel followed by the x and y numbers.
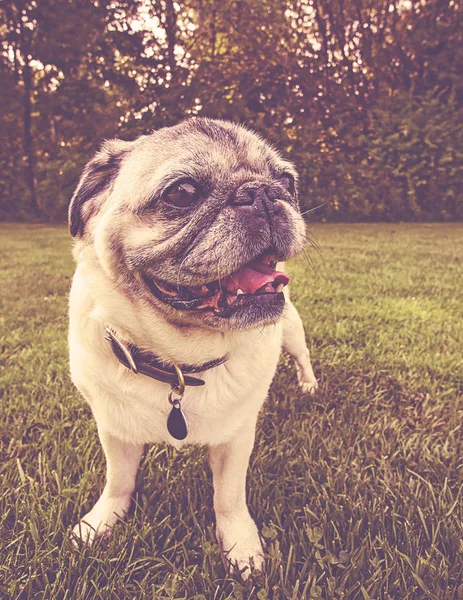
pixel 357 490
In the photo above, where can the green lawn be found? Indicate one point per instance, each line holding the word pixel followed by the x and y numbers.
pixel 357 490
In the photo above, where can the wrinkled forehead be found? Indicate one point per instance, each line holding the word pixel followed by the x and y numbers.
pixel 209 150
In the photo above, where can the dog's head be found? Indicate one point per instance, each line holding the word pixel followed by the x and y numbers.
pixel 191 220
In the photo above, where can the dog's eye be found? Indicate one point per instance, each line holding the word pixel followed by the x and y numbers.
pixel 287 181
pixel 182 194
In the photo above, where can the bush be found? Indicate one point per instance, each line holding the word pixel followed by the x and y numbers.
pixel 409 166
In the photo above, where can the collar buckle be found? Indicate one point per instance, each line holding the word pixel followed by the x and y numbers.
pixel 111 337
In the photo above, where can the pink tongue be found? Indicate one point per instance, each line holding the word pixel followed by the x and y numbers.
pixel 252 277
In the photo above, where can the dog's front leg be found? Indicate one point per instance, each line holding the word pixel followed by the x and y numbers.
pixel 294 343
pixel 122 460
pixel 235 528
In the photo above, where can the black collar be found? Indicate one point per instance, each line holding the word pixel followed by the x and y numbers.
pixel 147 363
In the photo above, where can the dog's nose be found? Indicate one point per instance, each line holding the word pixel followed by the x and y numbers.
pixel 257 200
pixel 247 194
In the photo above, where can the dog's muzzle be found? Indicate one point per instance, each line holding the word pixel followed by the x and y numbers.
pixel 256 202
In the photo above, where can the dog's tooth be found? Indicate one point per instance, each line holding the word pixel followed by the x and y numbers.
pixel 280 287
pixel 239 292
pixel 165 290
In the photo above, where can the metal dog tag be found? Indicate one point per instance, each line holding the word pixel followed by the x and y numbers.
pixel 176 422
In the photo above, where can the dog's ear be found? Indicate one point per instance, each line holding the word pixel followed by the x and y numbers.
pixel 97 176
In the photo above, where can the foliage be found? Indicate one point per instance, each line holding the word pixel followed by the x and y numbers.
pixel 357 490
pixel 409 164
pixel 416 155
pixel 333 83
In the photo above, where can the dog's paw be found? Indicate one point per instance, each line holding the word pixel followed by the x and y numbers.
pixel 307 381
pixel 305 374
pixel 308 387
pixel 244 566
pixel 100 521
pixel 87 531
pixel 241 546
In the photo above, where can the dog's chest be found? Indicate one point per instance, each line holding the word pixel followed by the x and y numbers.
pixel 136 407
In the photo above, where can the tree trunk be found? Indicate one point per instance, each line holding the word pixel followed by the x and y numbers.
pixel 21 50
pixel 28 146
pixel 24 50
pixel 171 34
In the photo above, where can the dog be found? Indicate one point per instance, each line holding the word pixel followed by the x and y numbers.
pixel 179 307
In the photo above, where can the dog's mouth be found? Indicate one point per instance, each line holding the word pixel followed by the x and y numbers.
pixel 256 282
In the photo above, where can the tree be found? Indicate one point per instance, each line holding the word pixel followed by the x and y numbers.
pixel 20 25
pixel 333 83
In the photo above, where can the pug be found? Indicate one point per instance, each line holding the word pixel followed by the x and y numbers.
pixel 179 307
